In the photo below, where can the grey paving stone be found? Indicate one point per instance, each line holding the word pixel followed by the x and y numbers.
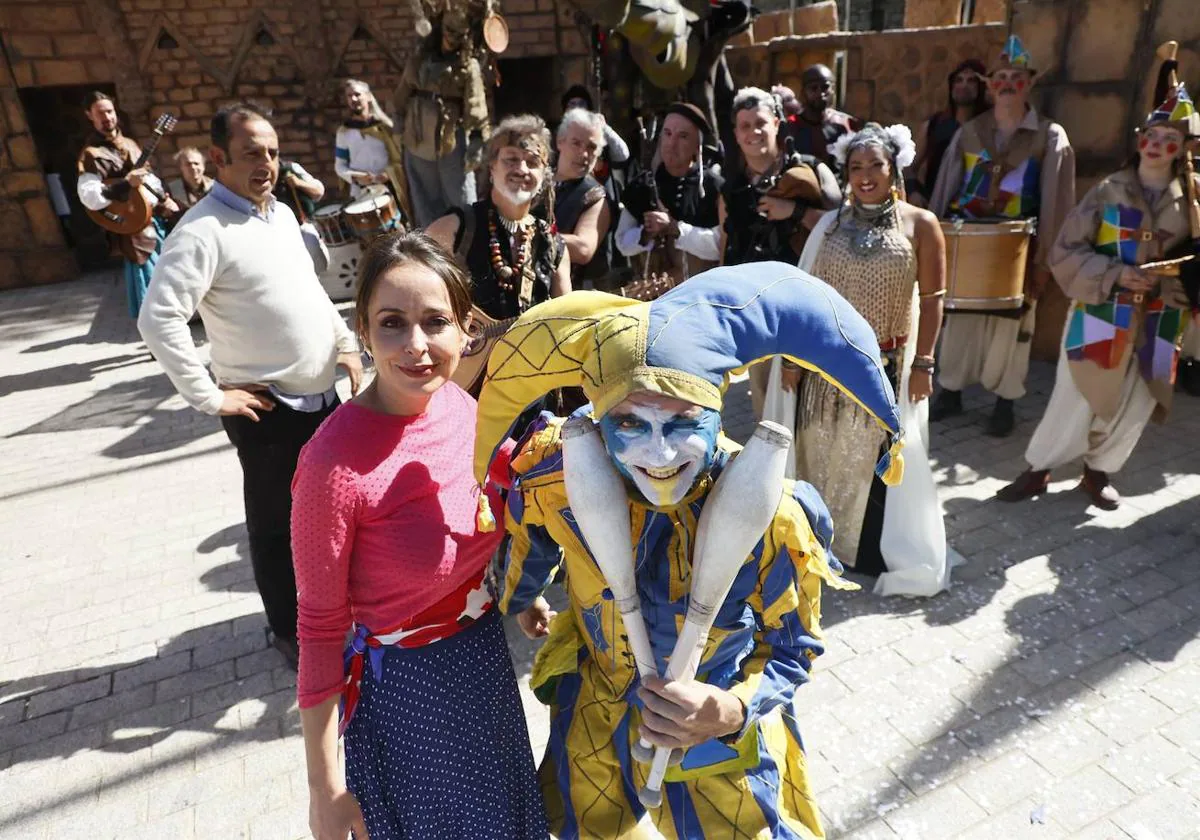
pixel 1169 813
pixel 942 813
pixel 1064 639
pixel 1084 797
pixel 68 696
pixel 1148 763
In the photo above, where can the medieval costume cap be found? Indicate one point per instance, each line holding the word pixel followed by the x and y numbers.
pixel 1015 56
pixel 695 116
pixel 1177 111
pixel 686 344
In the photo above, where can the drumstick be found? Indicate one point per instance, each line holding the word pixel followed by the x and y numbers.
pixel 598 500
pixel 736 514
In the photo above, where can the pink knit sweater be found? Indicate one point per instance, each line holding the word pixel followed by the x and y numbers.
pixel 383 527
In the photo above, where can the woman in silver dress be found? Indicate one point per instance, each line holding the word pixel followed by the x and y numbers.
pixel 888 259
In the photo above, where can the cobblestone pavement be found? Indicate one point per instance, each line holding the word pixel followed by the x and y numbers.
pixel 1054 692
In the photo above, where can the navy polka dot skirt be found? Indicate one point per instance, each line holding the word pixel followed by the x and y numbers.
pixel 439 749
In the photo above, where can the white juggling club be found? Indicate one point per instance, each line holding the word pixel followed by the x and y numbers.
pixel 737 513
pixel 600 504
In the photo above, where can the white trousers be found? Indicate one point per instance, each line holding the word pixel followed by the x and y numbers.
pixel 1191 339
pixel 1069 429
pixel 984 349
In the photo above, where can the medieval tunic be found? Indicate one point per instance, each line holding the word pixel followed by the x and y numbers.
pixel 359 146
pixel 472 253
pixel 441 102
pixel 815 138
pixel 1117 366
pixel 571 199
pixel 764 638
pixel 751 237
pixel 691 203
pixel 100 160
pixel 1036 179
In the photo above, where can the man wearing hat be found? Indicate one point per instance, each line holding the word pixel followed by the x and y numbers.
pixel 677 201
pixel 1121 342
pixel 655 374
pixel 1007 163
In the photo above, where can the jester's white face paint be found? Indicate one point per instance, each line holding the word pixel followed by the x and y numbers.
pixel 662 445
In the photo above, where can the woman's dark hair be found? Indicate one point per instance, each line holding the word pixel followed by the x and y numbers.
pixel 415 247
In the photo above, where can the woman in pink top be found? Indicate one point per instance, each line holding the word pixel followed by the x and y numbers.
pixel 385 544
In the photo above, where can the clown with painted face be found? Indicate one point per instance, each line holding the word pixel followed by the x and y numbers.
pixel 655 374
pixel 1007 163
pixel 1121 343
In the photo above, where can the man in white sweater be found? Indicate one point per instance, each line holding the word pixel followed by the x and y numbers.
pixel 276 339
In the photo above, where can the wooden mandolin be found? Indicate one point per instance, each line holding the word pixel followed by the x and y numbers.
pixel 131 215
pixel 484 330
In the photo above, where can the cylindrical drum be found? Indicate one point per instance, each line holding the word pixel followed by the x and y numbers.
pixel 986 263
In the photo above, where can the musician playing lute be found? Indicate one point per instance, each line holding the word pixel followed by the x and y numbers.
pixel 675 202
pixel 1120 347
pixel 109 155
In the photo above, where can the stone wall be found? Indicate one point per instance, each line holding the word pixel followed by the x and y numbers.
pixel 896 76
pixel 51 48
pixel 191 57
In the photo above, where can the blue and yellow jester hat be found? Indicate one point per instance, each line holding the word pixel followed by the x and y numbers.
pixel 1178 111
pixel 686 344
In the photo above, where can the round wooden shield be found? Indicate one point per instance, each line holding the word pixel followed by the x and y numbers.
pixel 495 33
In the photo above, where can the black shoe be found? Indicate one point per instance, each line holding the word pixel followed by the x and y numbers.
pixel 1188 377
pixel 1002 420
pixel 289 649
pixel 1028 484
pixel 947 404
pixel 1095 484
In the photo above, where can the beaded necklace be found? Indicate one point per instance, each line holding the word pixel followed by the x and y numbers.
pixel 521 243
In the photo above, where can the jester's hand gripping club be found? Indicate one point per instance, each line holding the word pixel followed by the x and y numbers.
pixel 737 513
pixel 599 503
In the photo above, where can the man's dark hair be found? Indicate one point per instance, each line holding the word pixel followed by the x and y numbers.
pixel 223 121
pixel 97 96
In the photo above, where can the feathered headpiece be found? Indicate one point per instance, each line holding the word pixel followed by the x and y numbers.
pixel 686 344
pixel 897 139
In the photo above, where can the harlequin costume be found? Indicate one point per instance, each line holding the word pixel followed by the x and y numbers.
pixel 1032 175
pixel 1120 349
pixel 684 345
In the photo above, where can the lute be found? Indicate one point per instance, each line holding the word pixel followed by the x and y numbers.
pixel 131 215
pixel 485 330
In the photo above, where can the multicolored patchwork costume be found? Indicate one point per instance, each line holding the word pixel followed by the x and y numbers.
pixel 684 345
pixel 987 177
pixel 1120 348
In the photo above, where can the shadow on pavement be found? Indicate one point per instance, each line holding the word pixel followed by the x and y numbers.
pixel 69 374
pixel 1106 603
pixel 199 681
pixel 133 405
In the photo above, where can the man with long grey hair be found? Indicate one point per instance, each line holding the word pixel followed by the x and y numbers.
pixel 363 146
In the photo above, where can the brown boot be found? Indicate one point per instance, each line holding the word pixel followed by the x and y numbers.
pixel 1028 484
pixel 1095 484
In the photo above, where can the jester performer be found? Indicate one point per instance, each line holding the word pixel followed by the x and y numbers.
pixel 655 373
pixel 1007 163
pixel 1126 322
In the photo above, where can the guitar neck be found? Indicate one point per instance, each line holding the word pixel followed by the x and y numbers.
pixel 149 150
